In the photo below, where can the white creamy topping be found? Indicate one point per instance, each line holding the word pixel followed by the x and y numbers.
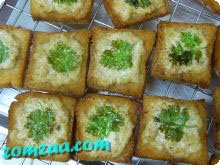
pixel 32 104
pixel 109 76
pixel 171 37
pixel 218 1
pixel 190 142
pixel 127 11
pixel 64 8
pixel 44 72
pixel 119 139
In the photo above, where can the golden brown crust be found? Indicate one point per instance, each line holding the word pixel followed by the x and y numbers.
pixel 68 103
pixel 214 160
pixel 83 107
pixel 216 115
pixel 39 13
pixel 212 5
pixel 129 88
pixel 203 79
pixel 73 88
pixel 216 57
pixel 120 23
pixel 14 77
pixel 143 150
pixel 216 104
pixel 217 135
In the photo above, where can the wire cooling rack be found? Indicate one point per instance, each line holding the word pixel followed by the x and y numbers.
pixel 17 13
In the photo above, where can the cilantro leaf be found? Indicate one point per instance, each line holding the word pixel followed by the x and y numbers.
pixel 40 124
pixel 174 134
pixel 197 53
pixel 190 40
pixel 104 121
pixel 65 1
pixel 185 50
pixel 4 52
pixel 139 3
pixel 172 122
pixel 119 57
pixel 178 49
pixel 63 58
pixel 180 56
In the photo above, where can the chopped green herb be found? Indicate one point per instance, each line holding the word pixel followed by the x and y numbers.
pixel 40 124
pixel 197 54
pixel 180 56
pixel 190 40
pixel 4 52
pixel 172 122
pixel 185 51
pixel 139 3
pixel 119 57
pixel 178 49
pixel 63 58
pixel 65 1
pixel 104 121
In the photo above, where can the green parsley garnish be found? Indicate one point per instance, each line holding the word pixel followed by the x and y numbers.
pixel 63 58
pixel 180 56
pixel 119 57
pixel 104 121
pixel 139 3
pixel 40 124
pixel 172 122
pixel 65 1
pixel 4 52
pixel 190 40
pixel 187 49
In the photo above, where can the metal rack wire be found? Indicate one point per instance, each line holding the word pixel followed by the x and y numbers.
pixel 168 88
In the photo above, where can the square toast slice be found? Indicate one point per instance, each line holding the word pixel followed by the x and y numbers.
pixel 58 62
pixel 184 53
pixel 119 130
pixel 52 10
pixel 25 129
pixel 125 12
pixel 118 61
pixel 14 48
pixel 173 130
